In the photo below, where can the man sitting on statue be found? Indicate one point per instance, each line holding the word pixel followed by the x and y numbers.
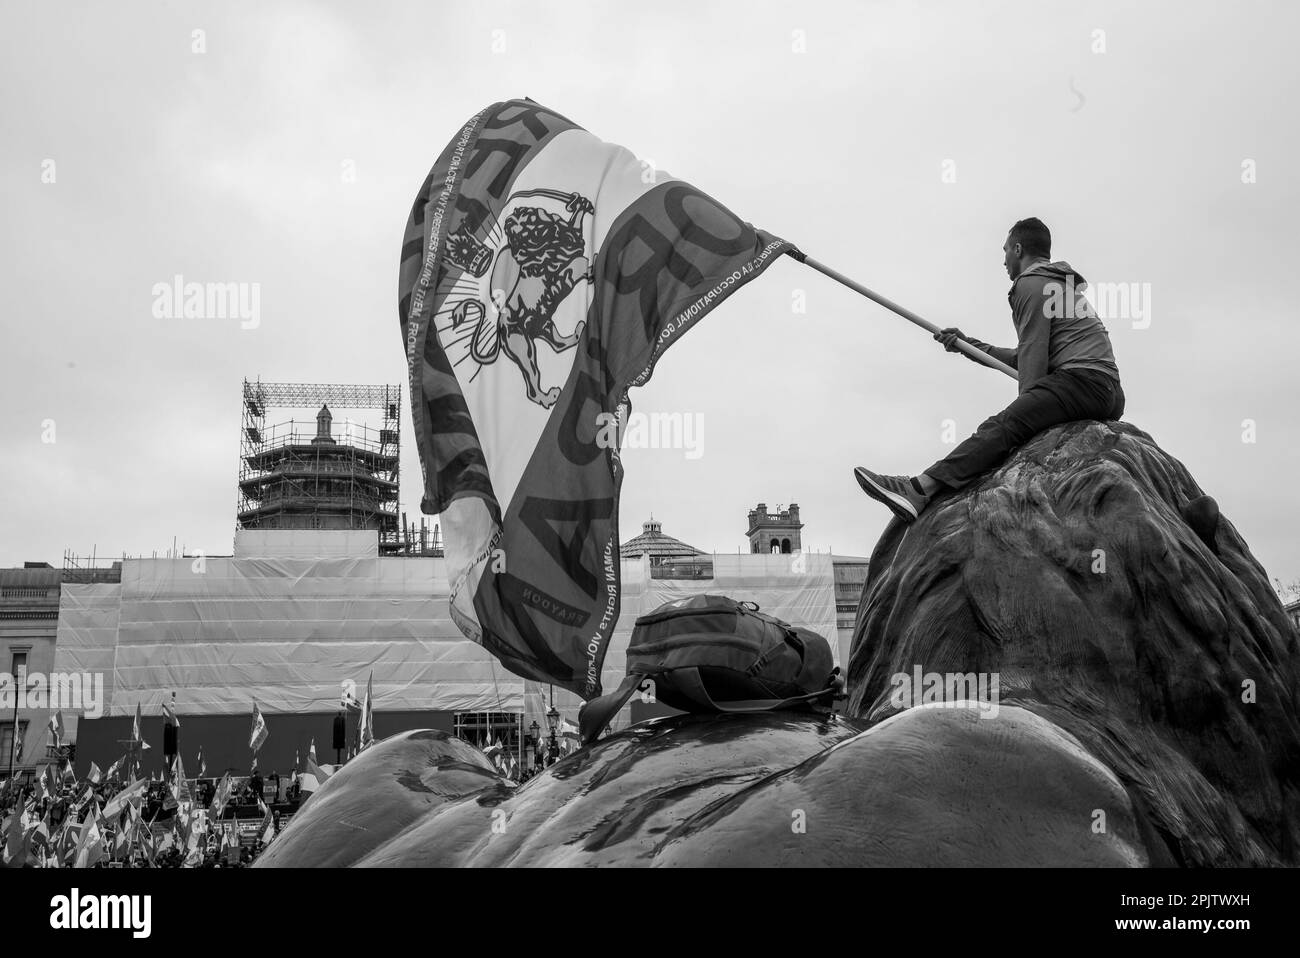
pixel 1063 362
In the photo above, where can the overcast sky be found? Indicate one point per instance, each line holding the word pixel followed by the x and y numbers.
pixel 895 144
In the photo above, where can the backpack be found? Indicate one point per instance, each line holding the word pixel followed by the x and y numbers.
pixel 709 653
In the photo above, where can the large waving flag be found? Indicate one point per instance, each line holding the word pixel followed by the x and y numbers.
pixel 543 274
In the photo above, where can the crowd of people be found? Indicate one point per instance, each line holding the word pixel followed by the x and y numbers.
pixel 124 821
pixel 119 819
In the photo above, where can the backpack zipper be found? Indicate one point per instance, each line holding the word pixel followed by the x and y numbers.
pixel 694 639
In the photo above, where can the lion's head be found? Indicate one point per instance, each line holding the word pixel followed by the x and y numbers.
pixel 543 244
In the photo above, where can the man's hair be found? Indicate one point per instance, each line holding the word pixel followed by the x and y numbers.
pixel 1034 237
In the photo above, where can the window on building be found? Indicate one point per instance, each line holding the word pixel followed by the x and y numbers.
pixel 7 742
pixel 785 545
pixel 18 668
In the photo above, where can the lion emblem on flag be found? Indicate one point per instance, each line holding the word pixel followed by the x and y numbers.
pixel 539 259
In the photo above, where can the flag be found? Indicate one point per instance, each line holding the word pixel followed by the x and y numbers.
pixel 543 273
pixel 56 726
pixel 169 712
pixel 38 843
pixel 95 774
pixel 144 836
pixel 90 843
pixel 257 735
pixel 15 830
pixel 267 829
pixel 568 730
pixel 136 733
pixel 203 766
pixel 367 730
pixel 224 788
pixel 181 826
pixel 313 777
pixel 122 843
pixel 180 787
pixel 119 801
pixel 69 839
pixel 311 751
pixel 114 770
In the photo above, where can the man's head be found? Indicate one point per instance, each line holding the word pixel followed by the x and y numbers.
pixel 1029 241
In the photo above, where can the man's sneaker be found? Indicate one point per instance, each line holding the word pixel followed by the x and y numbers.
pixel 897 492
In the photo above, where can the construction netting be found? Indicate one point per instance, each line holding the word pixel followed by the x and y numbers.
pixel 287 631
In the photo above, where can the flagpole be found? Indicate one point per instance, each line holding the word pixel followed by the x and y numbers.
pixel 977 354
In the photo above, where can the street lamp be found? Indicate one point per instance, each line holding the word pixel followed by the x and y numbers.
pixel 535 739
pixel 553 720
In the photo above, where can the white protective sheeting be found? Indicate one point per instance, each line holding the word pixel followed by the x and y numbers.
pixel 306 543
pixel 87 637
pixel 286 632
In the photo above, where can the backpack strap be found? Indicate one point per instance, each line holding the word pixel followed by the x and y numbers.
pixel 596 714
pixel 689 682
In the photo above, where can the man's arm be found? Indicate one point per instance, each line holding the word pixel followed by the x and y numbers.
pixel 1034 328
pixel 1000 353
pixel 951 334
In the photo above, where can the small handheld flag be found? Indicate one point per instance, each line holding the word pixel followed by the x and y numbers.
pixel 169 712
pixel 367 730
pixel 258 734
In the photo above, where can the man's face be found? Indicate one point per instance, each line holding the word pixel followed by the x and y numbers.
pixel 1011 258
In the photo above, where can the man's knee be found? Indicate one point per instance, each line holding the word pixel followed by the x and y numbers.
pixel 993 429
pixel 1022 425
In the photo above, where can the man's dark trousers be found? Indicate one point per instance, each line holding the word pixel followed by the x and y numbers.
pixel 1061 396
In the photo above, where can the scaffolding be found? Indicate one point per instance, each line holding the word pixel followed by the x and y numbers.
pixel 421 540
pixel 293 475
pixel 92 568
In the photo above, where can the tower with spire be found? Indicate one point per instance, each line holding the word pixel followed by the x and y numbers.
pixel 292 478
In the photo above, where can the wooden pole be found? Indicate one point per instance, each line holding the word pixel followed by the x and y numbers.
pixel 977 354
